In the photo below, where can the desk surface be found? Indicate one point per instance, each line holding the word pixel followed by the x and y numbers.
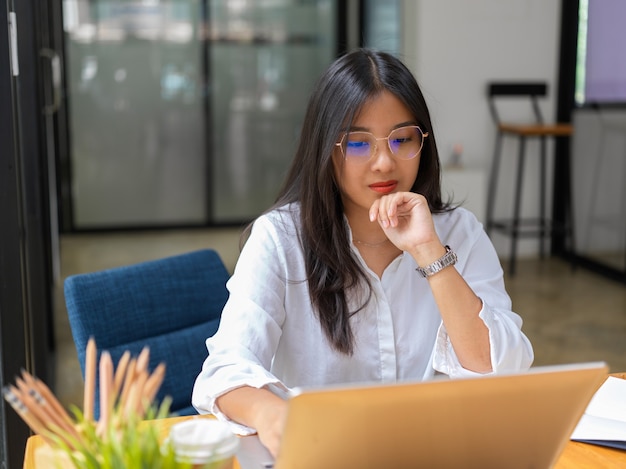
pixel 575 455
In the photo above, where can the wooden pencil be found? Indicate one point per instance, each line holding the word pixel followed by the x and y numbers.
pixel 106 387
pixel 44 390
pixel 48 424
pixel 133 405
pixel 154 383
pixel 129 378
pixel 11 395
pixel 90 379
pixel 143 359
pixel 32 402
pixel 120 374
pixel 47 414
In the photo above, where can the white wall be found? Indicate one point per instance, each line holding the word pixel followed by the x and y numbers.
pixel 455 47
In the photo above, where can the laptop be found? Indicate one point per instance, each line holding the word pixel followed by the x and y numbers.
pixel 516 420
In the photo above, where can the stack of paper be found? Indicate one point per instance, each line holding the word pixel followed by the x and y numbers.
pixel 604 421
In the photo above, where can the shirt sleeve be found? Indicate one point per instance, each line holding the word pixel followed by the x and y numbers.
pixel 510 349
pixel 241 351
pixel 479 265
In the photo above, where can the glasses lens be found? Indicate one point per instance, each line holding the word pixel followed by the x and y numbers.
pixel 406 142
pixel 359 145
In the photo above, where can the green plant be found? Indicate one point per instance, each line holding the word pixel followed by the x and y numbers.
pixel 126 443
pixel 119 439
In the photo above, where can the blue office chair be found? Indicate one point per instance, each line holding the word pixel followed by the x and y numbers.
pixel 170 305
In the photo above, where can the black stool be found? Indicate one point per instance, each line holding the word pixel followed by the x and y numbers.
pixel 516 227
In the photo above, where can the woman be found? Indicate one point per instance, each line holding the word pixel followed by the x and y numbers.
pixel 359 272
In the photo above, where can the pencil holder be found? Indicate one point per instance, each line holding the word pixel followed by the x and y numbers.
pixel 46 456
pixel 127 441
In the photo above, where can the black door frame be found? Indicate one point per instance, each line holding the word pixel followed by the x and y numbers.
pixel 12 321
pixel 26 286
pixel 562 192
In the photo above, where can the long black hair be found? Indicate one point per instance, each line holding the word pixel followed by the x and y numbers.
pixel 338 96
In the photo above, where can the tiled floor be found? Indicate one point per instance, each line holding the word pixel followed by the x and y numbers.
pixel 569 315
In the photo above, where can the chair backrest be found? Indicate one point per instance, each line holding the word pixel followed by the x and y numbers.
pixel 529 90
pixel 172 305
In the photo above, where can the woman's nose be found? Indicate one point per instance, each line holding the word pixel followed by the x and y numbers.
pixel 383 159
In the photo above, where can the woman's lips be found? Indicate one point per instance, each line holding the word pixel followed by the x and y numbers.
pixel 385 187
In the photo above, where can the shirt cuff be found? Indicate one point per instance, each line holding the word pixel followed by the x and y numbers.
pixel 445 359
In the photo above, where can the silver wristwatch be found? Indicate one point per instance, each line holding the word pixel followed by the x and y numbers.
pixel 448 259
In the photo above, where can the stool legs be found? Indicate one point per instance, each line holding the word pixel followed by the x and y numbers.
pixel 543 227
pixel 515 226
pixel 493 182
pixel 542 195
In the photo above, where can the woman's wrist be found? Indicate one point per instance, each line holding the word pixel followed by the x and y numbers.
pixel 428 253
pixel 447 260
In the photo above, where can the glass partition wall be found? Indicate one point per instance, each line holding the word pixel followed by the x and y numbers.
pixel 263 64
pixel 598 112
pixel 186 112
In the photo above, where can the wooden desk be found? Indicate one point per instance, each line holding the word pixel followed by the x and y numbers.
pixel 575 455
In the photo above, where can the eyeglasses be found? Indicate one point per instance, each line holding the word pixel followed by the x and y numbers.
pixel 404 143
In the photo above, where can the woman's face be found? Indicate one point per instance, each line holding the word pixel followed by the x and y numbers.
pixel 361 183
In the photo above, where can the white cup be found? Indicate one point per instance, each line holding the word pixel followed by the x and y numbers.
pixel 206 443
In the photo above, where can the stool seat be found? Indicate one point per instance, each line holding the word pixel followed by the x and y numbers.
pixel 537 130
pixel 540 226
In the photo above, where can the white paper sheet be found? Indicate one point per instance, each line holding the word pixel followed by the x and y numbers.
pixel 605 416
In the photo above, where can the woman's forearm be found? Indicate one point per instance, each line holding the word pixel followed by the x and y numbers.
pixel 257 408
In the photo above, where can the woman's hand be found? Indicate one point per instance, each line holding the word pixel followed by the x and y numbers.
pixel 271 420
pixel 407 222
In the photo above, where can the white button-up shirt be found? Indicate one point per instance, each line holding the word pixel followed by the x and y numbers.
pixel 269 333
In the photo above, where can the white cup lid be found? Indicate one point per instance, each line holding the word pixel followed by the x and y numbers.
pixel 203 440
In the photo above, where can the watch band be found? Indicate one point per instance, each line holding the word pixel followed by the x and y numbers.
pixel 448 259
